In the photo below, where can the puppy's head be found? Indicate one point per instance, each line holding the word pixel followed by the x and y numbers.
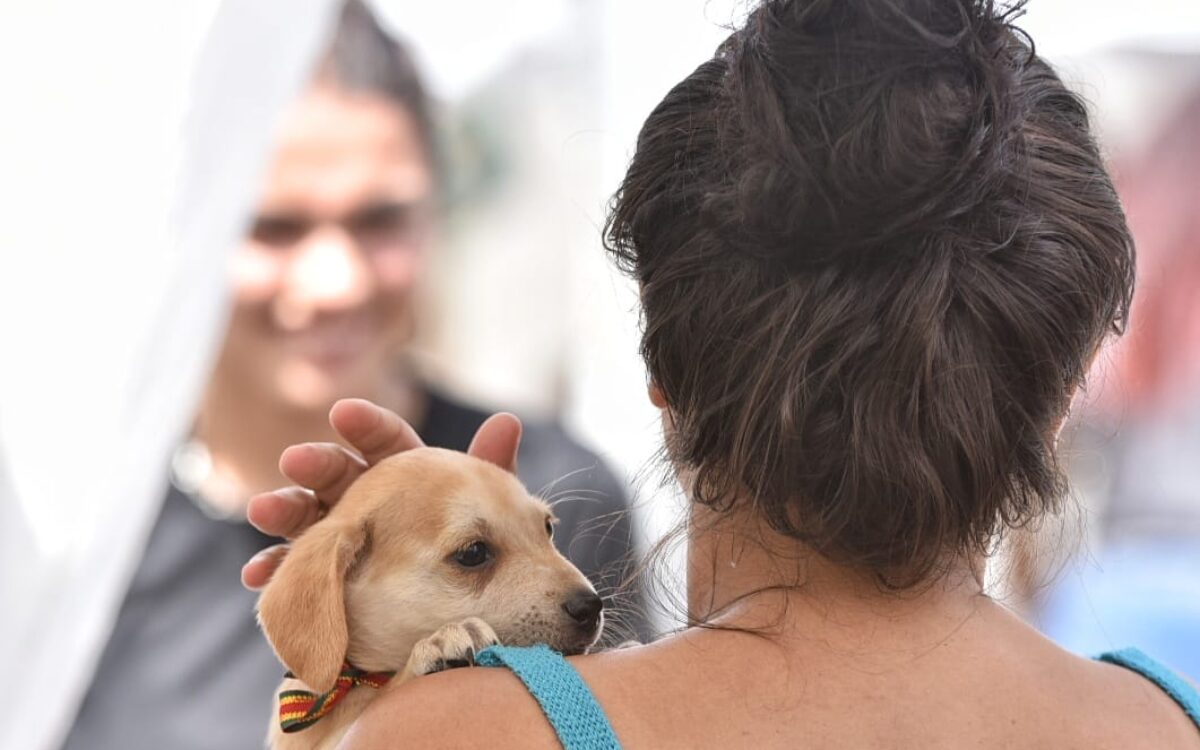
pixel 424 538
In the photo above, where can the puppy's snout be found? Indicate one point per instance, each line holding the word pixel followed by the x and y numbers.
pixel 584 607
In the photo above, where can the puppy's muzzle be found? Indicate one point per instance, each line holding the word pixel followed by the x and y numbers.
pixel 585 609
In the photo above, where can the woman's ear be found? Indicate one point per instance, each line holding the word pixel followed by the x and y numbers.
pixel 656 395
pixel 302 611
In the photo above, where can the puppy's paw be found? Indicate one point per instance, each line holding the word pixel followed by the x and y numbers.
pixel 450 646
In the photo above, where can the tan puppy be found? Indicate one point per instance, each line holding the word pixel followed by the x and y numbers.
pixel 430 556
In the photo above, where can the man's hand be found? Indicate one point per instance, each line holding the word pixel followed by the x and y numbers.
pixel 323 471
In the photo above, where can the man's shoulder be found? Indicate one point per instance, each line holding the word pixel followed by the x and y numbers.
pixel 559 461
pixel 550 461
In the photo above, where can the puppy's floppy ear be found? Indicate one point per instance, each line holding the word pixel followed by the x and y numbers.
pixel 303 609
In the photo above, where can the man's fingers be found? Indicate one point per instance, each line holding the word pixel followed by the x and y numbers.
pixel 323 472
pixel 286 512
pixel 258 571
pixel 497 440
pixel 373 431
pixel 325 468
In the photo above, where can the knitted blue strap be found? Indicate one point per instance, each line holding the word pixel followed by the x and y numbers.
pixel 577 718
pixel 1172 684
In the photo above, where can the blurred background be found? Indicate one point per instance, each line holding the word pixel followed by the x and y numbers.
pixel 135 147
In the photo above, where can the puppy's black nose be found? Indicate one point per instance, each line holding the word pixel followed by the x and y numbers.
pixel 584 607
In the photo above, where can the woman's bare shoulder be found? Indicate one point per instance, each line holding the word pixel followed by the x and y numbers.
pixel 462 707
pixel 466 707
pixel 1135 705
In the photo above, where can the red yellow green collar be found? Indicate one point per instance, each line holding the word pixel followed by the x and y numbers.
pixel 300 709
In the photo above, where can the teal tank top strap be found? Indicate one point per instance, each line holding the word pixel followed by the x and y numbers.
pixel 569 705
pixel 1181 691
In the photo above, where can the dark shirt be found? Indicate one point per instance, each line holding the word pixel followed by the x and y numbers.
pixel 186 665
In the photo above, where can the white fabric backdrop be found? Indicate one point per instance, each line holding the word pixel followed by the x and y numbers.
pixel 131 141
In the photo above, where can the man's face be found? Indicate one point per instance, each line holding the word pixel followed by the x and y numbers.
pixel 323 285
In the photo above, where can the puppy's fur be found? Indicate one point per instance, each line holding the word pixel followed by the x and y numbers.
pixel 387 582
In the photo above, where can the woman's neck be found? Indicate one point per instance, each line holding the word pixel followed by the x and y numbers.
pixel 742 575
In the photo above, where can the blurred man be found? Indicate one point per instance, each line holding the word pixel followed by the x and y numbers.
pixel 323 309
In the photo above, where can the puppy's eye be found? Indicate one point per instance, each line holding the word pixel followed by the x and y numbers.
pixel 473 555
pixel 549 528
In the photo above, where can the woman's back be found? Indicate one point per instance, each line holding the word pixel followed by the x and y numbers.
pixel 974 690
pixel 990 682
pixel 890 681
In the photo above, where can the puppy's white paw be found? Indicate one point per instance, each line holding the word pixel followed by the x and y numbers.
pixel 450 646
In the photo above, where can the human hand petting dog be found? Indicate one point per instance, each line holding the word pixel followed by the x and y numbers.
pixel 323 471
pixel 404 560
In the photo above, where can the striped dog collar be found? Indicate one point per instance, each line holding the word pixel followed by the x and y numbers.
pixel 300 709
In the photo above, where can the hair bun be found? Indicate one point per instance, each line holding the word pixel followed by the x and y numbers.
pixel 876 249
pixel 855 125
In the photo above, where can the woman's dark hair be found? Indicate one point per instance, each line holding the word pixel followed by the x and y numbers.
pixel 364 57
pixel 877 249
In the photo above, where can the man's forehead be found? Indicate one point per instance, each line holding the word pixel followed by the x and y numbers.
pixel 330 151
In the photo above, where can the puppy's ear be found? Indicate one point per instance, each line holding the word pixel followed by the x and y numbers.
pixel 303 609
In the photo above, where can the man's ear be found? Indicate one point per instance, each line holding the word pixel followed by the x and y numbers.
pixel 302 611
